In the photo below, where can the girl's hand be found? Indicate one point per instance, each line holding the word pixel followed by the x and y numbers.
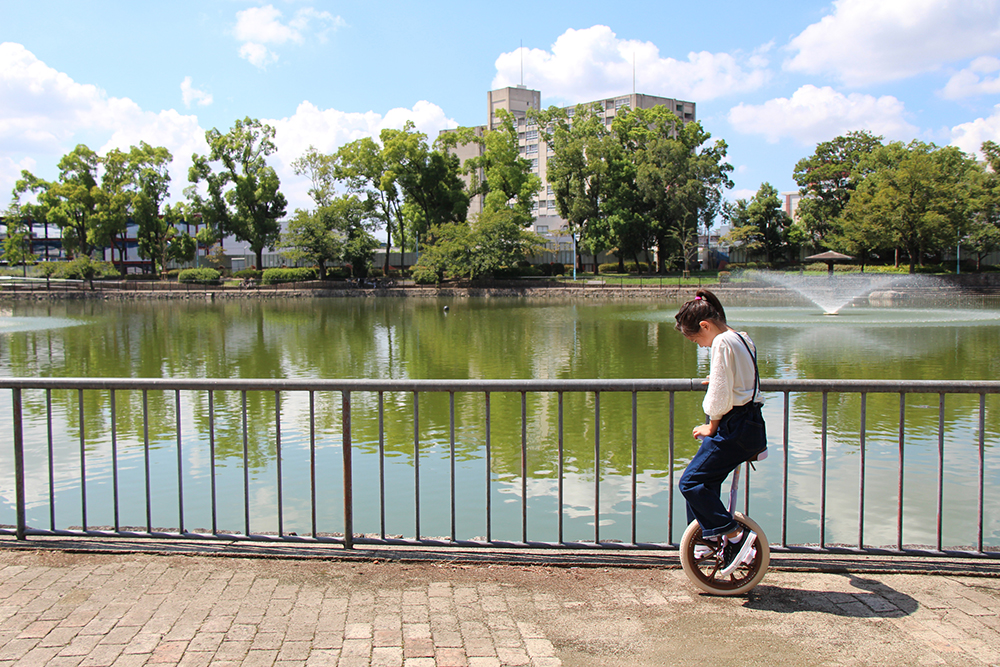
pixel 704 431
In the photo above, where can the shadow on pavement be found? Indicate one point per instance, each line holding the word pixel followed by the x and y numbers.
pixel 872 599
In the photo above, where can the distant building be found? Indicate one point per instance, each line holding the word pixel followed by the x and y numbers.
pixel 791 203
pixel 517 100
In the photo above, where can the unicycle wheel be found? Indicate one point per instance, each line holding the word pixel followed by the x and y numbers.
pixel 703 570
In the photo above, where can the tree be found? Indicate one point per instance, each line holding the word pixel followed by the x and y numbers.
pixel 680 180
pixel 499 174
pixel 70 202
pixel 759 224
pixel 159 238
pixel 17 245
pixel 828 178
pixel 134 186
pixel 337 231
pixel 914 194
pixel 495 239
pixel 983 232
pixel 243 197
pixel 577 170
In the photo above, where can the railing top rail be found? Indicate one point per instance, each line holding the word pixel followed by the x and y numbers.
pixel 506 385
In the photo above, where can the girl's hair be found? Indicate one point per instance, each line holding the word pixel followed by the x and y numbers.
pixel 704 306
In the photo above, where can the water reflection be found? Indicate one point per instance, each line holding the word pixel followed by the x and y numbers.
pixel 484 338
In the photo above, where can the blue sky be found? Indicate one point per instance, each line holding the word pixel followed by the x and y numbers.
pixel 771 78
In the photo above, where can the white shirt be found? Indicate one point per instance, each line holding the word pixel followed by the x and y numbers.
pixel 731 378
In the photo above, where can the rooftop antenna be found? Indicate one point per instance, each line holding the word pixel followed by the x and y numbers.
pixel 633 72
pixel 521 52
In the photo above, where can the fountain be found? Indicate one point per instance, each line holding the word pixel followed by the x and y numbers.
pixel 835 292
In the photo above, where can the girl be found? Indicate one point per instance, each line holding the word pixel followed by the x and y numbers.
pixel 734 432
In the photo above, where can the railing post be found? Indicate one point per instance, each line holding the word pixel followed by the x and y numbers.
pixel 348 475
pixel 19 463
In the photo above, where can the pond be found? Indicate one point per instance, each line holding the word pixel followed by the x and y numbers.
pixel 489 338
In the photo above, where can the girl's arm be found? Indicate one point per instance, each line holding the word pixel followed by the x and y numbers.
pixel 706 430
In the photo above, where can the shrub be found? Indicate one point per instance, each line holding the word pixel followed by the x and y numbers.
pixel 338 273
pixel 425 275
pixel 203 275
pixel 296 275
pixel 558 268
pixel 723 276
pixel 248 274
pixel 84 268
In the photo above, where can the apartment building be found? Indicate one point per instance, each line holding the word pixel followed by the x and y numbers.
pixel 517 100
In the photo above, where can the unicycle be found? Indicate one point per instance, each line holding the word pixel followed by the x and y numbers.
pixel 701 559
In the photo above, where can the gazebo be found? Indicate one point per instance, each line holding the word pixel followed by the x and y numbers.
pixel 829 257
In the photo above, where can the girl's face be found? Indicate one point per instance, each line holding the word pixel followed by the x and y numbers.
pixel 707 331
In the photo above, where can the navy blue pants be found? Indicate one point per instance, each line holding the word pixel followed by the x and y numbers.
pixel 740 437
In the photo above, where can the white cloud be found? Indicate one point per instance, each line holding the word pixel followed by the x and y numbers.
pixel 816 114
pixel 864 42
pixel 970 136
pixel 594 63
pixel 329 129
pixel 191 94
pixel 44 113
pixel 967 82
pixel 258 27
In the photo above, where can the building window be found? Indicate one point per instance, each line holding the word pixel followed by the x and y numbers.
pixel 621 102
pixel 534 163
pixel 552 204
pixel 549 190
pixel 542 229
pixel 532 149
pixel 532 135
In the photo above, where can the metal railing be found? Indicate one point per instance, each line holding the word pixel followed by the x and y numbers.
pixel 32 400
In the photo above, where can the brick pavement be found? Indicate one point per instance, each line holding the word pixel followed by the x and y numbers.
pixel 78 609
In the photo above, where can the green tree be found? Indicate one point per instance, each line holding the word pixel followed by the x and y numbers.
pixel 70 202
pixel 760 224
pixel 983 233
pixel 680 180
pixel 135 185
pixel 159 237
pixel 577 170
pixel 243 198
pixel 828 178
pixel 17 245
pixel 915 194
pixel 499 174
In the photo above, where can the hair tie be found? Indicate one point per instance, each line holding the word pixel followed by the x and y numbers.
pixel 697 298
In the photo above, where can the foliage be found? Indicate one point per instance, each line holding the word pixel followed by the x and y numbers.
pixel 493 240
pixel 759 224
pixel 248 274
pixel 828 178
pixel 70 202
pixel 199 275
pixel 630 267
pixel 913 197
pixel 242 195
pixel 85 268
pixel 293 275
pixel 499 174
pixel 17 245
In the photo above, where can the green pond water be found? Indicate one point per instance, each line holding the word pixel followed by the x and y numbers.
pixel 480 338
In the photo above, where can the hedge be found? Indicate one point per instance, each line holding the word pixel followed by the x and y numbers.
pixel 203 275
pixel 295 275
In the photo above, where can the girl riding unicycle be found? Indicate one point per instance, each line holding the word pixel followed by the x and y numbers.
pixel 722 551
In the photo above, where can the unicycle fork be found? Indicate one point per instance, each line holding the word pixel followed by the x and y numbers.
pixel 702 558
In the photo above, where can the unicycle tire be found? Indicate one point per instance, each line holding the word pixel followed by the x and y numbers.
pixel 703 572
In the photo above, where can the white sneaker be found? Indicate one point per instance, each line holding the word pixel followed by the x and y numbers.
pixel 705 550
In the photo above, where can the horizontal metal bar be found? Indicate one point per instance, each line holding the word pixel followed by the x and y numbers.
pixel 530 385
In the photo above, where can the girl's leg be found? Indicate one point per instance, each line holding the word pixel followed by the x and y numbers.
pixel 701 486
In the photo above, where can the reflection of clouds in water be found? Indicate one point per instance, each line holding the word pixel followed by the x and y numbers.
pixel 578 493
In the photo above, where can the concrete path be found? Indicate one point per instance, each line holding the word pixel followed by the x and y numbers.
pixel 86 603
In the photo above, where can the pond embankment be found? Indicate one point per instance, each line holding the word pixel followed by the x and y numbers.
pixel 978 284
